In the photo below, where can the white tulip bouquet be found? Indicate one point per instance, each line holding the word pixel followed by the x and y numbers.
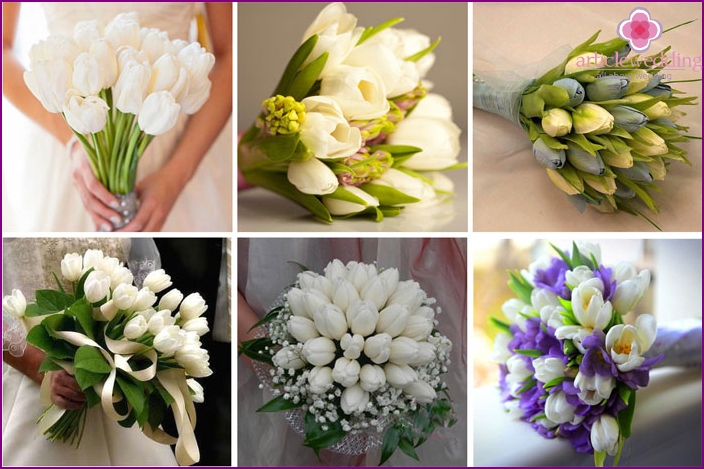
pixel 118 86
pixel 350 129
pixel 603 124
pixel 569 366
pixel 128 353
pixel 354 357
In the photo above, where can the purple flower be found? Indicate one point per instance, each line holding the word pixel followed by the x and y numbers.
pixel 553 278
pixel 596 359
pixel 605 274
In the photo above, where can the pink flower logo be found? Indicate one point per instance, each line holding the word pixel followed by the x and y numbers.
pixel 639 29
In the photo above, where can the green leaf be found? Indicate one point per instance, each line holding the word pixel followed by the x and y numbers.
pixel 407 447
pixel 316 437
pixel 390 211
pixel 640 192
pixel 343 194
pixel 157 410
pixel 280 184
pixel 252 349
pixel 388 195
pixel 306 78
pixel 583 143
pixel 625 417
pixel 520 287
pixel 563 256
pixel 297 60
pixel 532 105
pixel 503 326
pixel 58 283
pixel 302 267
pixel 133 392
pixel 555 381
pixel 533 353
pixel 52 300
pixel 91 359
pixel 373 30
pixel 92 397
pixel 80 293
pixel 48 364
pixel 392 437
pixel 87 379
pixel 279 148
pixel 33 311
pixel 39 337
pixel 553 96
pixel 278 404
pixel 268 318
pixel 599 458
pixel 419 55
pixel 83 312
pixel 528 385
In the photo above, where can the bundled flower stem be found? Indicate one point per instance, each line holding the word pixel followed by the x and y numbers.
pixel 569 365
pixel 356 355
pixel 603 124
pixel 350 129
pixel 118 86
pixel 128 353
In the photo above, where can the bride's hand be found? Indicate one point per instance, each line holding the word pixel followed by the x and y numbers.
pixel 65 392
pixel 96 198
pixel 157 194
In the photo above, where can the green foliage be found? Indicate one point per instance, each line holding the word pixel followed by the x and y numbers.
pixel 256 349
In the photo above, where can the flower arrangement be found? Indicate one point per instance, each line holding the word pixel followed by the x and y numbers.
pixel 569 366
pixel 356 355
pixel 605 125
pixel 118 86
pixel 129 354
pixel 350 129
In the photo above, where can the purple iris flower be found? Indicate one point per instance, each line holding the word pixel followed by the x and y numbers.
pixel 553 278
pixel 605 274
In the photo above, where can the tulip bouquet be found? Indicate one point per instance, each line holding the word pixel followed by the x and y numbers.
pixel 602 123
pixel 128 353
pixel 354 355
pixel 350 129
pixel 118 86
pixel 569 365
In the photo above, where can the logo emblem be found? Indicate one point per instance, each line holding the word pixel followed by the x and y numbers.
pixel 639 29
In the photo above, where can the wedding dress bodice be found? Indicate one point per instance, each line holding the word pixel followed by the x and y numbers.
pixel 172 17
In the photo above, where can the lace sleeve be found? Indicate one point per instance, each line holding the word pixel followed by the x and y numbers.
pixel 143 258
pixel 14 336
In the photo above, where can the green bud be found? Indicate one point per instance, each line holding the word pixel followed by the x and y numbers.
pixel 283 115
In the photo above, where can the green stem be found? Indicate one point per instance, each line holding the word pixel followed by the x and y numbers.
pixel 118 143
pixel 123 175
pixel 101 175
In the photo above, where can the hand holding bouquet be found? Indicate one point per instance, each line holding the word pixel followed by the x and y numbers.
pixel 129 354
pixel 354 354
pixel 603 123
pixel 350 129
pixel 118 86
pixel 569 365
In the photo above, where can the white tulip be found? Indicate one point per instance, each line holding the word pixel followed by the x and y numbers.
pixel 343 207
pixel 326 132
pixel 589 307
pixel 124 296
pixel 330 322
pixel 557 122
pixel 359 91
pixel 376 292
pixel 501 352
pixel 154 43
pixel 302 328
pixel 435 106
pixel 194 359
pixel 156 280
pixel 589 118
pixel 159 113
pixel 399 376
pixel 590 250
pixel 335 269
pixel 360 274
pixel 393 320
pixel 72 267
pixel 85 33
pixel 371 377
pixel 312 177
pixel 169 339
pixel 198 63
pixel 159 320
pixel 92 258
pixel 88 74
pixel 49 81
pixel 604 435
pixel 378 348
pixel 197 325
pixel 627 343
pixel 362 317
pixel 169 75
pixel 426 353
pixel 594 389
pixel 585 61
pixel 354 399
pixel 403 351
pixel 192 307
pixel 579 274
pixel 630 292
pixel 319 379
pixel 421 391
pixel 171 300
pixel 557 409
pixel 86 115
pixel 439 140
pixel 135 327
pixel 424 312
pixel 399 76
pixel 146 313
pixel 14 304
pixel 311 281
pixel 346 371
pixel 547 369
pixel 296 302
pixel 197 394
pixel 319 351
pixel 418 327
pixel 337 35
pixel 402 182
pixel 119 276
pixel 109 310
pixel 109 265
pixel 289 358
pixel 352 346
pixel 408 294
pixel 131 87
pixel 96 286
pixel 123 30
pixel 405 43
pixel 518 372
pixel 343 293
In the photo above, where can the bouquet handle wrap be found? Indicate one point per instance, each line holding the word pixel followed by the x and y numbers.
pixel 502 102
pixel 681 342
pixel 127 208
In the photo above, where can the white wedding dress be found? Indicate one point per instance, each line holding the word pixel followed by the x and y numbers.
pixel 439 265
pixel 38 190
pixel 28 264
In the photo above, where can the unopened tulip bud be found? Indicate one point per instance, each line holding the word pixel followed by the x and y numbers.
pixel 312 177
pixel 628 118
pixel 637 80
pixel 583 161
pixel 591 118
pixel 557 122
pixel 574 89
pixel 660 90
pixel 319 351
pixel 343 207
pixel 607 87
pixel 421 391
pixel 548 157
